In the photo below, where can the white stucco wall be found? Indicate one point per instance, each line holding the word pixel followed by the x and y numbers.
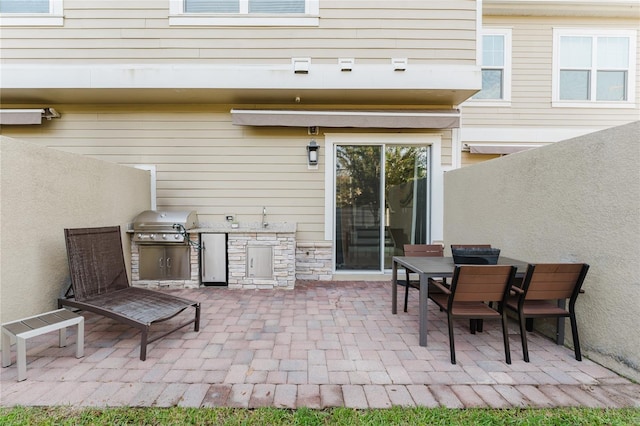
pixel 44 191
pixel 578 201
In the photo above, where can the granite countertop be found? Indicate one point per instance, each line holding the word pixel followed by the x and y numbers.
pixel 225 227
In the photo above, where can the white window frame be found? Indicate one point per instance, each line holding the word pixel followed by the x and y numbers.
pixel 507 68
pixel 54 18
pixel 178 17
pixel 593 103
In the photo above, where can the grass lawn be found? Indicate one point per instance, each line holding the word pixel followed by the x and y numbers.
pixel 304 416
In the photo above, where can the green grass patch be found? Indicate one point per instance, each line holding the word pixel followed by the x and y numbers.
pixel 307 417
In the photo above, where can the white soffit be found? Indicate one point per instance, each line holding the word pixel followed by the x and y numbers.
pixel 481 148
pixel 435 119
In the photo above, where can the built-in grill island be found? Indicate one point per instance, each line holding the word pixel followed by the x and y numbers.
pixel 163 251
pixel 171 249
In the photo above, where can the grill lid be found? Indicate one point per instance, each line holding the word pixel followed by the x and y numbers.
pixel 152 220
pixel 156 227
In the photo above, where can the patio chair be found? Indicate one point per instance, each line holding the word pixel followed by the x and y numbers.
pixel 471 287
pixel 419 250
pixel 99 284
pixel 474 254
pixel 544 285
pixel 481 254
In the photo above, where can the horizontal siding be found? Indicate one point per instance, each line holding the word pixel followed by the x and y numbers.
pixel 203 161
pixel 426 32
pixel 532 40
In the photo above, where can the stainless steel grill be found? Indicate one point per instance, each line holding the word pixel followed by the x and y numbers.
pixel 163 227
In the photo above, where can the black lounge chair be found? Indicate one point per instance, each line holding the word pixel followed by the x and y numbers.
pixel 100 284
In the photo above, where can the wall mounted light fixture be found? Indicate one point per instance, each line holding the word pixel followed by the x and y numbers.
pixel 312 153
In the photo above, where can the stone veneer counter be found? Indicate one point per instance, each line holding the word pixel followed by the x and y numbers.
pixel 249 239
pixel 253 227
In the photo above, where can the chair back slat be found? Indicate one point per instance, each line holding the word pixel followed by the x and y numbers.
pixel 554 281
pixel 423 250
pixel 96 261
pixel 481 283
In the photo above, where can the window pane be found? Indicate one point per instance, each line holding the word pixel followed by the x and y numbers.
pixel 574 85
pixel 24 6
pixel 406 199
pixel 491 85
pixel 575 52
pixel 212 6
pixel 493 51
pixel 611 86
pixel 276 6
pixel 358 191
pixel 613 52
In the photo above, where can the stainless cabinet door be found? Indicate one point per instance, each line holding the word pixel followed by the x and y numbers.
pixel 214 258
pixel 260 262
pixel 177 261
pixel 152 263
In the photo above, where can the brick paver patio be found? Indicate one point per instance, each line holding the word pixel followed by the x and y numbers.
pixel 323 344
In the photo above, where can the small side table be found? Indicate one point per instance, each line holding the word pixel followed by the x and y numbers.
pixel 35 326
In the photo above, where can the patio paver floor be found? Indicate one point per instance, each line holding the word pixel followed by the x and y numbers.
pixel 323 344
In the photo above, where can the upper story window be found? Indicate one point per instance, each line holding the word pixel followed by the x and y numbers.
pixel 496 67
pixel 244 6
pixel 31 13
pixel 594 68
pixel 244 12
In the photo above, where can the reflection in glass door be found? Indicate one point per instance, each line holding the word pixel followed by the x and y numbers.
pixel 366 235
pixel 358 217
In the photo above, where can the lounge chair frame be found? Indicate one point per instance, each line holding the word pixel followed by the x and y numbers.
pixel 99 284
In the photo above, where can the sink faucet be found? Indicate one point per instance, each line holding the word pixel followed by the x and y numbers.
pixel 264 217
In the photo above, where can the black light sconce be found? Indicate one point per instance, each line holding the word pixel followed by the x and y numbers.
pixel 312 153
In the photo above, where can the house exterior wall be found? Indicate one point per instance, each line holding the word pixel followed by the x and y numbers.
pixel 530 117
pixel 136 83
pixel 140 32
pixel 574 201
pixel 45 191
pixel 202 161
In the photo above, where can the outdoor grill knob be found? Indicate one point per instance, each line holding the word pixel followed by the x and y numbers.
pixel 164 236
pixel 152 236
pixel 176 236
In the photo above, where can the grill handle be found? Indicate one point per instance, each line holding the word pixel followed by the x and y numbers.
pixel 203 248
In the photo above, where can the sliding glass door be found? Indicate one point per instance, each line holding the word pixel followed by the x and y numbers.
pixel 381 203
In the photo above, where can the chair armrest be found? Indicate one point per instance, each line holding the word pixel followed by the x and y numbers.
pixel 518 290
pixel 439 286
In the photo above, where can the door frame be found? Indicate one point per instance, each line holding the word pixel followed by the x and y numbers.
pixel 433 140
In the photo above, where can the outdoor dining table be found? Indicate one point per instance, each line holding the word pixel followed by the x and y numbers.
pixel 431 267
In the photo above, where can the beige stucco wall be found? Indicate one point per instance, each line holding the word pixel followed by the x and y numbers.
pixel 44 191
pixel 577 200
